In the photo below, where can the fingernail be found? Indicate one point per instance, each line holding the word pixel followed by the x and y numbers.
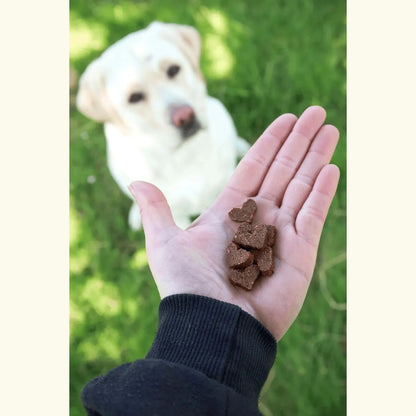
pixel 133 187
pixel 138 188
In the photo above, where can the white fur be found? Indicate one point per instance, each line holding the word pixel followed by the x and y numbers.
pixel 142 142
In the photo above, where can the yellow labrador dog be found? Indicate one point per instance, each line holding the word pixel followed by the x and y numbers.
pixel 159 122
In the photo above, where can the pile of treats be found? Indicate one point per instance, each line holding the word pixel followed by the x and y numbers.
pixel 250 253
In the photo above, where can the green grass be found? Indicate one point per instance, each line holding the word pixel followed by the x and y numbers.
pixel 260 59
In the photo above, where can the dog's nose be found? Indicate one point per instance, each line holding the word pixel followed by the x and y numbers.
pixel 183 116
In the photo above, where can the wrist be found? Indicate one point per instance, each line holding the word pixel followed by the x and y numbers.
pixel 217 338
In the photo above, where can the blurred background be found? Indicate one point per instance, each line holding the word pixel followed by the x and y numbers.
pixel 261 59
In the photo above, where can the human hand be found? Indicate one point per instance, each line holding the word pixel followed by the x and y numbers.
pixel 287 173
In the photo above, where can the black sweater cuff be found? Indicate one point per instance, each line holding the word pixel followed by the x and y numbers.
pixel 217 338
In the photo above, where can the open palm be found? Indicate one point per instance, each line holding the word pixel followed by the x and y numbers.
pixel 287 173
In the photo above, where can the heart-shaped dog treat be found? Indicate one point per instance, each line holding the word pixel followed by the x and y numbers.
pixel 238 258
pixel 264 259
pixel 251 236
pixel 244 278
pixel 250 254
pixel 245 213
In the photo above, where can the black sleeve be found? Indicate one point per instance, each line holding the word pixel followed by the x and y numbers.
pixel 208 358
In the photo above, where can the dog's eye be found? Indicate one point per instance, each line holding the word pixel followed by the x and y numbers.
pixel 173 70
pixel 136 97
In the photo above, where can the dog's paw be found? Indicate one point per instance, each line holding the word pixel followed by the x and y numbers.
pixel 135 221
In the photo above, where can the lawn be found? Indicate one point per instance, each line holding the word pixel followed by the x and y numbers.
pixel 260 59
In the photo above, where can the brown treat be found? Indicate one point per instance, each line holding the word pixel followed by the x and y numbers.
pixel 251 236
pixel 264 260
pixel 250 253
pixel 244 278
pixel 245 213
pixel 271 235
pixel 238 258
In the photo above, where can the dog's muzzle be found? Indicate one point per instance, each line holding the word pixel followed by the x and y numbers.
pixel 184 118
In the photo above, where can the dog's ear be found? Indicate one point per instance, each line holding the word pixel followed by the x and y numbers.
pixel 91 92
pixel 185 37
pixel 92 99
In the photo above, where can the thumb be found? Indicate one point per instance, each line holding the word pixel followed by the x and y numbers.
pixel 154 210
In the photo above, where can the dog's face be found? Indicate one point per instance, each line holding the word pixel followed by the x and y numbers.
pixel 149 81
